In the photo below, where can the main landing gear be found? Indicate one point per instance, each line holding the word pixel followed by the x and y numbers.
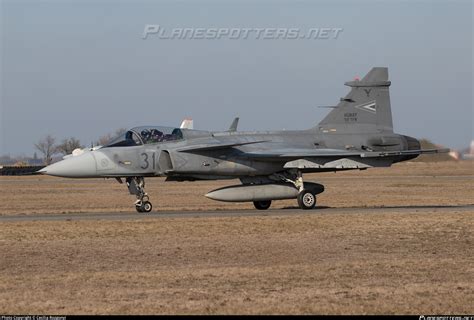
pixel 136 186
pixel 306 198
pixel 262 205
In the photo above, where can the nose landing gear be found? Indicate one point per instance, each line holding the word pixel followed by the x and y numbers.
pixel 145 206
pixel 136 186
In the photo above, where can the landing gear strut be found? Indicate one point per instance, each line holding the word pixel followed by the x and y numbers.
pixel 136 186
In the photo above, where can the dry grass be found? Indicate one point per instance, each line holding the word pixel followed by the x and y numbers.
pixel 398 261
pixel 415 183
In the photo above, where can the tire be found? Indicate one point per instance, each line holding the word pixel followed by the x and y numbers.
pixel 146 206
pixel 139 209
pixel 306 200
pixel 262 205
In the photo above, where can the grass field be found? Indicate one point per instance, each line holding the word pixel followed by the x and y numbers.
pixel 415 183
pixel 403 260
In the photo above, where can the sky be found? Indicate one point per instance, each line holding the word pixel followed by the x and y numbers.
pixel 82 69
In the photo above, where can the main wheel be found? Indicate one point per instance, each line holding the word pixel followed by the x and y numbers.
pixel 139 208
pixel 262 205
pixel 146 206
pixel 306 200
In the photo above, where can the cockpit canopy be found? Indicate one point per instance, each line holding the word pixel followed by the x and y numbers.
pixel 146 135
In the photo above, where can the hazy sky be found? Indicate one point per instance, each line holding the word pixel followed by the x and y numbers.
pixel 81 68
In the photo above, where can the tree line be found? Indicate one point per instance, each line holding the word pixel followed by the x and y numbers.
pixel 48 147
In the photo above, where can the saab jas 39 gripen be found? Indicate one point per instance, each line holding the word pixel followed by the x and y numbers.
pixel 356 134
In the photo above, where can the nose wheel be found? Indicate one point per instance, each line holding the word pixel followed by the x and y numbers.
pixel 145 206
pixel 136 186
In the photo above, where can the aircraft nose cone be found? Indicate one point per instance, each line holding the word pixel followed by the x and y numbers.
pixel 82 166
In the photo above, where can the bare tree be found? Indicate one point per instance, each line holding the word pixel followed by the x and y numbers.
pixel 68 145
pixel 103 140
pixel 120 131
pixel 47 148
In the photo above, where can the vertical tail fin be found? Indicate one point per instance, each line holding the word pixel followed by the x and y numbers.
pixel 366 108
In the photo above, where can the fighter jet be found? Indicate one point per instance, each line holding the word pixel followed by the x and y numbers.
pixel 357 134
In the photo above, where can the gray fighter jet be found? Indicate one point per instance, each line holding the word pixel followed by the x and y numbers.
pixel 356 134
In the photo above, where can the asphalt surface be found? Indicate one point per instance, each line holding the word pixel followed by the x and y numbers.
pixel 230 213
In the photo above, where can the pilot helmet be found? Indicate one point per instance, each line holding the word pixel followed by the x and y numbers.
pixel 156 133
pixel 145 134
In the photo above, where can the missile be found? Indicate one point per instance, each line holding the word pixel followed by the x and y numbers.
pixel 261 192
